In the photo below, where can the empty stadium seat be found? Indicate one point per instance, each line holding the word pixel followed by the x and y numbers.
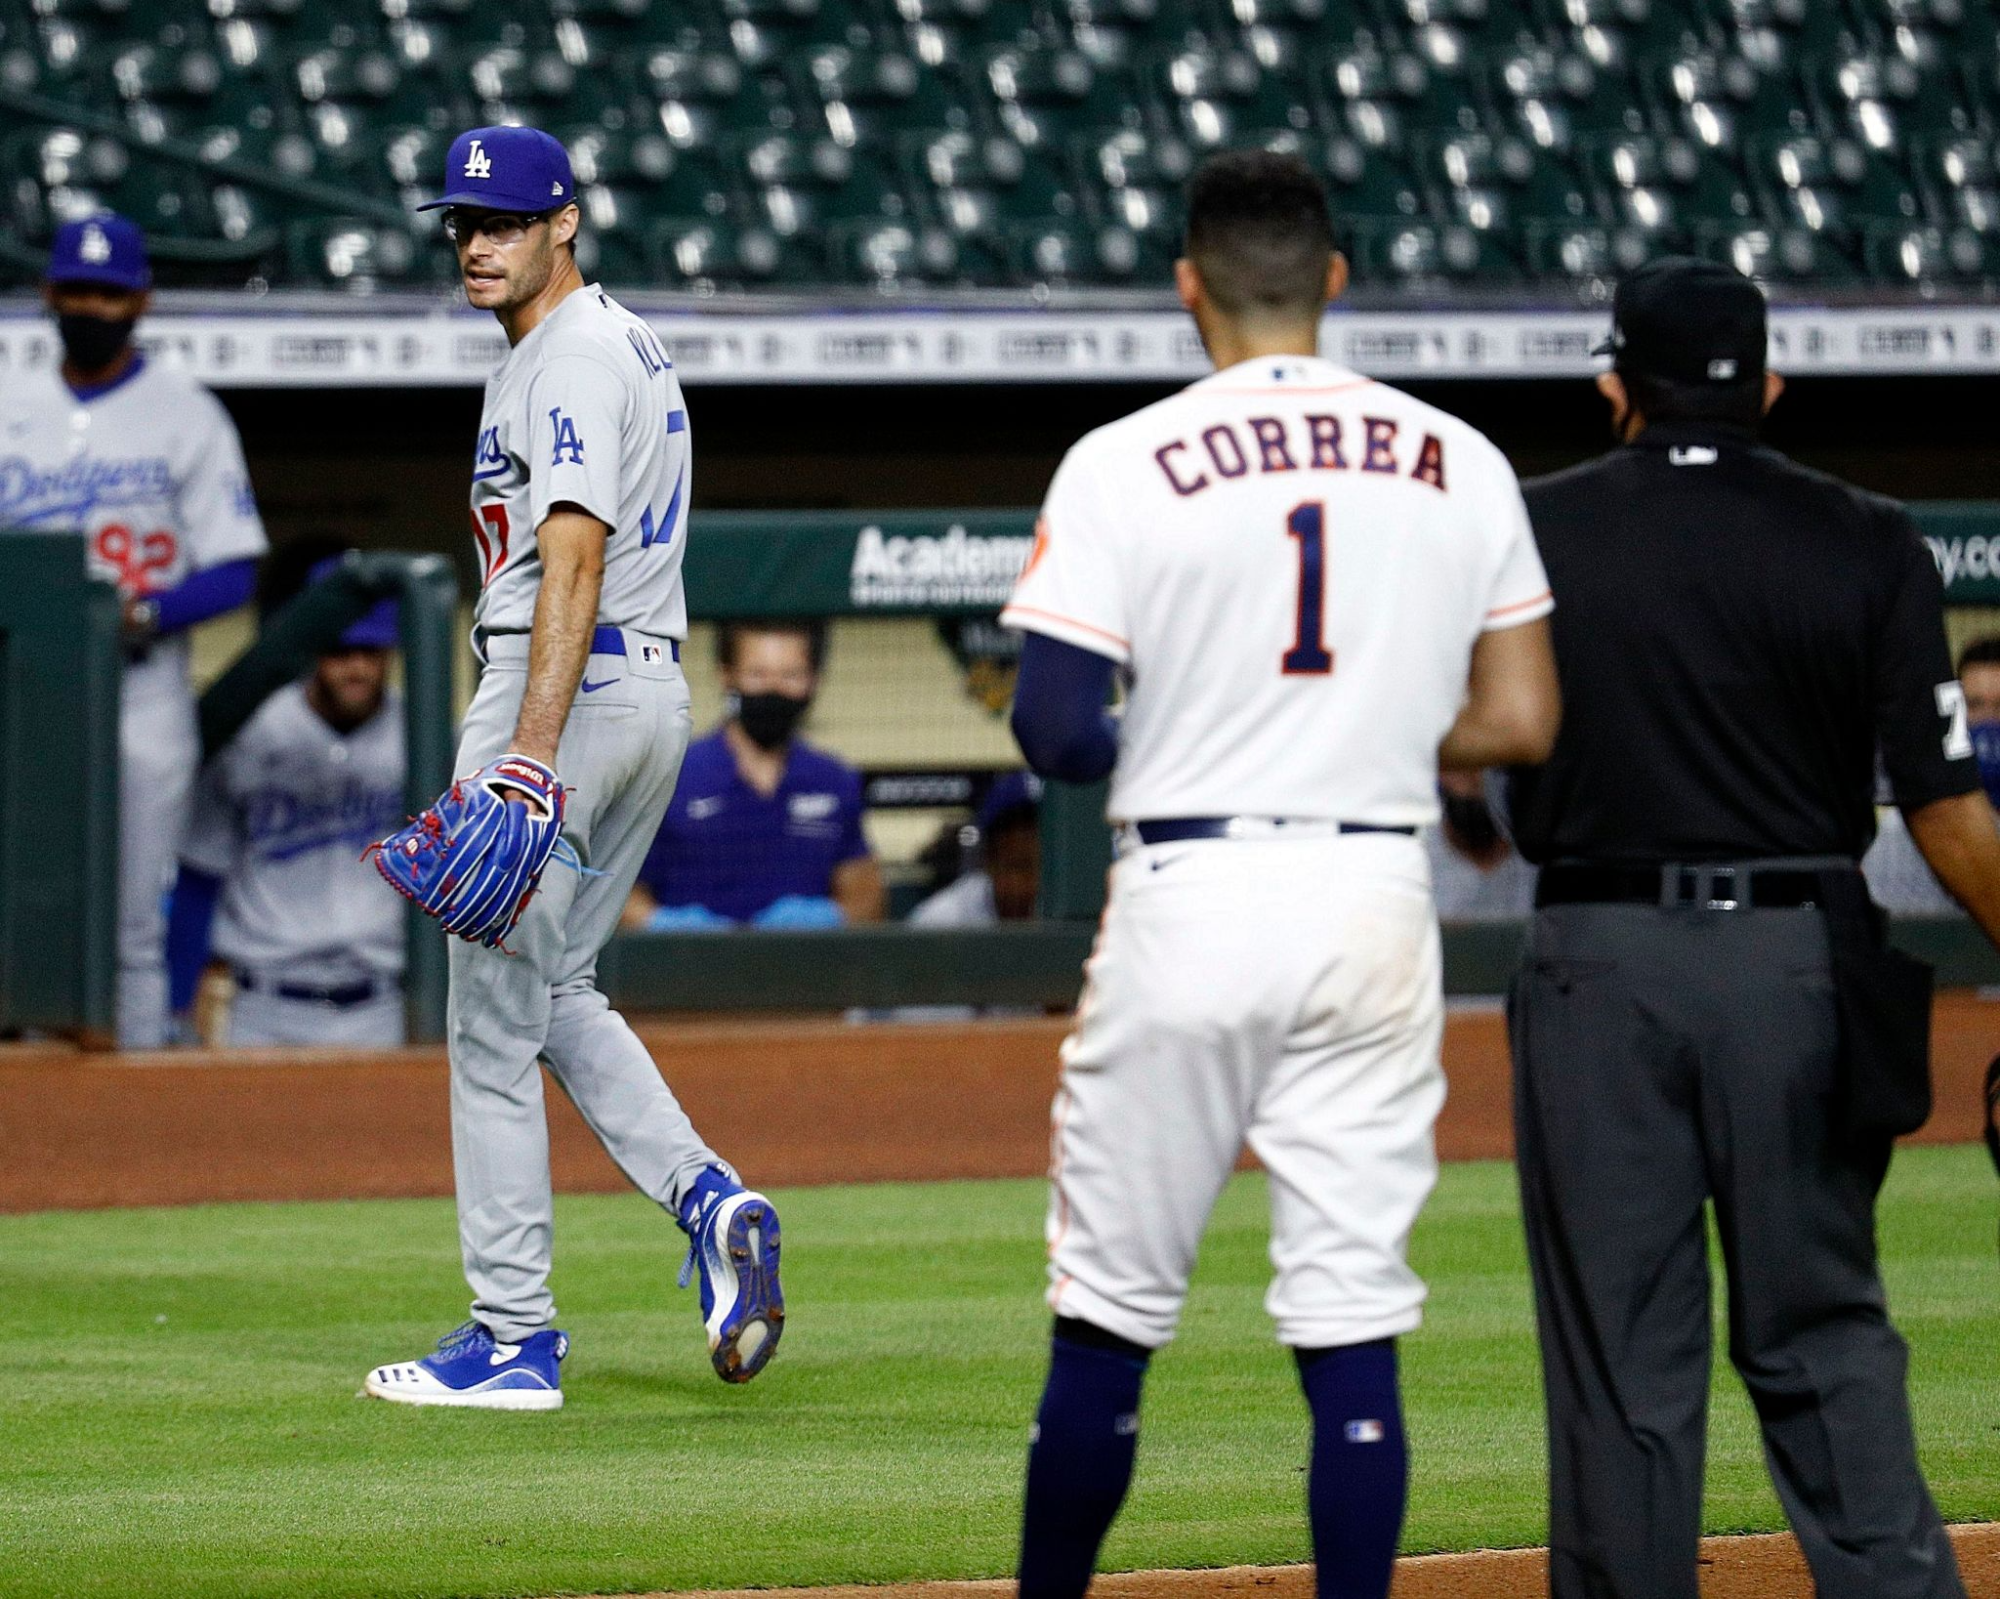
pixel 910 144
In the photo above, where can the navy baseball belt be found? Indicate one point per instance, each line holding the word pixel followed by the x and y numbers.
pixel 1179 829
pixel 340 996
pixel 607 640
pixel 1715 887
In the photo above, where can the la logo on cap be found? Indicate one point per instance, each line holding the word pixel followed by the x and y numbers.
pixel 478 164
pixel 95 248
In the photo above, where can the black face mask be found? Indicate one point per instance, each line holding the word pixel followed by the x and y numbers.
pixel 770 720
pixel 92 343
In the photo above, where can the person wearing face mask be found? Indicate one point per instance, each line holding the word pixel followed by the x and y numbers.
pixel 1898 875
pixel 764 828
pixel 147 465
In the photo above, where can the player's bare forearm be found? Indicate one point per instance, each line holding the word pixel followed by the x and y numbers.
pixel 1513 703
pixel 572 551
pixel 858 890
pixel 1960 839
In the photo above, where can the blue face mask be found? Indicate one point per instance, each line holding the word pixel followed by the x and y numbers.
pixel 1986 750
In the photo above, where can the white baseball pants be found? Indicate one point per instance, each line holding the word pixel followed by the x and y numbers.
pixel 158 752
pixel 1284 993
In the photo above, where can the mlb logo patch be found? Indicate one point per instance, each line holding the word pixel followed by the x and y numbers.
pixel 651 654
pixel 1363 1432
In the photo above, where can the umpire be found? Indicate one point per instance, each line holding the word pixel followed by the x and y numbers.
pixel 1707 1011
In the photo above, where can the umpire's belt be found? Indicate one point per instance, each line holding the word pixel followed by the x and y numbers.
pixel 1179 829
pixel 607 640
pixel 341 997
pixel 1720 886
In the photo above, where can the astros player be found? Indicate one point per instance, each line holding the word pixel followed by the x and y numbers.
pixel 1317 590
pixel 146 463
pixel 315 948
pixel 579 508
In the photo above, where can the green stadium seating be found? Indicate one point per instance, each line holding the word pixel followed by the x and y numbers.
pixel 896 146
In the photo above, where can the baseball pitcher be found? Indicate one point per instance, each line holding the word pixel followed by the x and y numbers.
pixel 147 464
pixel 1316 590
pixel 580 485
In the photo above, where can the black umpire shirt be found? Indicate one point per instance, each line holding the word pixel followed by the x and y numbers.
pixel 1735 636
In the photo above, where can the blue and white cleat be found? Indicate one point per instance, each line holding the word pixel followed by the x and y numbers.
pixel 733 1243
pixel 471 1369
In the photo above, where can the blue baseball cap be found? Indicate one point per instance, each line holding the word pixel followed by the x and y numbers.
pixel 377 628
pixel 106 249
pixel 1011 791
pixel 506 169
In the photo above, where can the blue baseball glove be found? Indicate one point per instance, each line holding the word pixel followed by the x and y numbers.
pixel 474 859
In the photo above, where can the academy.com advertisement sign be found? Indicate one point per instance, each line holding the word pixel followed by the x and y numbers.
pixel 1964 536
pixel 943 571
pixel 856 563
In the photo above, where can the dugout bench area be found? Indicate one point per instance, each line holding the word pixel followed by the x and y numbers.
pixel 950 570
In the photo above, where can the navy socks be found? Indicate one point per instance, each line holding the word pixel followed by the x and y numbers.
pixel 1360 1467
pixel 1080 1462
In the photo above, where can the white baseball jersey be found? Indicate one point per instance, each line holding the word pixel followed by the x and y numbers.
pixel 150 468
pixel 585 410
pixel 1293 562
pixel 282 816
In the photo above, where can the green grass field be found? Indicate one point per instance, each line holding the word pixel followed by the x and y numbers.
pixel 181 1414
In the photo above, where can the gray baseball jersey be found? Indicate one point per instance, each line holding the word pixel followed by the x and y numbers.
pixel 281 816
pixel 585 410
pixel 150 470
pixel 149 467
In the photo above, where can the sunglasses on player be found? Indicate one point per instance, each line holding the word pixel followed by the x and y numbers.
pixel 502 227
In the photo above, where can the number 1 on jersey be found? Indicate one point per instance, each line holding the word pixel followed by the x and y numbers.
pixel 1309 656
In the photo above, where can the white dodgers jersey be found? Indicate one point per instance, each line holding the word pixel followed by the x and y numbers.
pixel 149 468
pixel 1292 562
pixel 586 410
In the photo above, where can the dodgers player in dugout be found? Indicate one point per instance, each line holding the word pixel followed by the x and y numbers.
pixel 1317 591
pixel 314 948
pixel 579 498
pixel 147 464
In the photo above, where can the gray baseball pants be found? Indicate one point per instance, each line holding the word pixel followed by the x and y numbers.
pixel 259 1020
pixel 1667 1059
pixel 620 755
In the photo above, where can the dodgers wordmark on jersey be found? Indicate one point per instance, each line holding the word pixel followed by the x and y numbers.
pixel 1295 561
pixel 280 816
pixel 586 410
pixel 149 468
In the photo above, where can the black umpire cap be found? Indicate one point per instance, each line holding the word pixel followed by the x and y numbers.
pixel 1688 321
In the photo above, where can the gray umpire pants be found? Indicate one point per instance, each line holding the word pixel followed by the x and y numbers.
pixel 537 1000
pixel 1664 1058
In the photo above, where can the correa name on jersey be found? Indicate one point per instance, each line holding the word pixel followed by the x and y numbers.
pixel 1316 441
pixel 86 484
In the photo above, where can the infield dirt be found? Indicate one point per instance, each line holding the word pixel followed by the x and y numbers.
pixel 1768 1566
pixel 791 1103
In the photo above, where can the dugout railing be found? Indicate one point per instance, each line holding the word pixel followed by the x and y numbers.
pixel 58 736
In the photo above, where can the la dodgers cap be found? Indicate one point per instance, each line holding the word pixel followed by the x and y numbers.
pixel 105 249
pixel 506 169
pixel 1688 320
pixel 377 628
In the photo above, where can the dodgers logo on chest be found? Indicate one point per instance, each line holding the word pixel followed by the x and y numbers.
pixel 491 460
pixel 82 486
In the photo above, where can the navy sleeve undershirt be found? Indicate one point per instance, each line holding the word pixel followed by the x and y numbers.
pixel 1060 720
pixel 209 592
pixel 189 922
